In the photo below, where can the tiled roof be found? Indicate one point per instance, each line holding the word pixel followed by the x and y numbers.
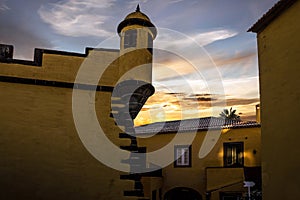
pixel 193 125
pixel 274 12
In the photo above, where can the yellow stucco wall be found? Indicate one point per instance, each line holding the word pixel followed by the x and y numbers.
pixel 42 156
pixel 57 67
pixel 278 51
pixel 195 177
pixel 136 65
pixel 152 184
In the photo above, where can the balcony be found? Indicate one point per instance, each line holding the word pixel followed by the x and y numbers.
pixel 221 181
pixel 219 178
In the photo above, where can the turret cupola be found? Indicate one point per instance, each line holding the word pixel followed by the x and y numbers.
pixel 136 31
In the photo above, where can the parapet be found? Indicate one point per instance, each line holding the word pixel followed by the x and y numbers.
pixel 7 51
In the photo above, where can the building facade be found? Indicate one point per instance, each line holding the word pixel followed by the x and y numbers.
pixel 43 156
pixel 278 54
pixel 234 158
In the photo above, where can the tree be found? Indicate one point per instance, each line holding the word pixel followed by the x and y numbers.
pixel 230 114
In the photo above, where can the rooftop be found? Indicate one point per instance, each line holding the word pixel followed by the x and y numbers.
pixel 137 18
pixel 268 17
pixel 137 14
pixel 197 124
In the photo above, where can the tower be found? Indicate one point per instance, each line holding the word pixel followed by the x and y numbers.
pixel 131 92
pixel 54 160
pixel 136 33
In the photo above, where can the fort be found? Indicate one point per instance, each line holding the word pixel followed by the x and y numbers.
pixel 44 157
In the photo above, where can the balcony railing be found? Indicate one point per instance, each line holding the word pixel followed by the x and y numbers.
pixel 218 178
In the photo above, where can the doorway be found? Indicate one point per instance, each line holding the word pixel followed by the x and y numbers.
pixel 182 193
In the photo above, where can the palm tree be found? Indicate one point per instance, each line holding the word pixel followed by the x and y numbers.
pixel 230 114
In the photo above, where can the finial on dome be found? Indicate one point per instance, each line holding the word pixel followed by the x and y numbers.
pixel 138 8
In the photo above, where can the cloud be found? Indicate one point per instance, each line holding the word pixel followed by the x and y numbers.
pixel 175 106
pixel 243 87
pixel 237 58
pixel 213 36
pixel 182 57
pixel 22 38
pixel 193 62
pixel 174 1
pixel 133 3
pixel 236 102
pixel 167 106
pixel 201 99
pixel 3 6
pixel 167 39
pixel 239 65
pixel 238 78
pixel 77 18
pixel 174 100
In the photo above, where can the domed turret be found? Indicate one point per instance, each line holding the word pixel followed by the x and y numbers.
pixel 138 20
pixel 137 14
pixel 136 32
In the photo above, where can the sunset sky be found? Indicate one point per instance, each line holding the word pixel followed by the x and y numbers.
pixel 209 47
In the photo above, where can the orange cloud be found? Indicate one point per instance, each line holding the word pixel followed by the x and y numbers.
pixel 175 106
pixel 239 57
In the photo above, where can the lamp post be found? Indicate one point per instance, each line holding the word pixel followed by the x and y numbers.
pixel 249 184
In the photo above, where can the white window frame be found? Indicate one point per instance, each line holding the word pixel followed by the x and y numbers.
pixel 182 154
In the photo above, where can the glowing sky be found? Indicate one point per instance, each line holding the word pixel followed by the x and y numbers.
pixel 218 27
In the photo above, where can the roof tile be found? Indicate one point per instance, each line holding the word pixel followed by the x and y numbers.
pixel 196 124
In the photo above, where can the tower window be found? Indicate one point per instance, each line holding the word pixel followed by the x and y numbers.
pixel 182 155
pixel 130 38
pixel 234 154
pixel 6 51
pixel 150 43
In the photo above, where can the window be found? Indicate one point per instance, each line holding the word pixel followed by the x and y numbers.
pixel 130 38
pixel 150 43
pixel 6 51
pixel 182 155
pixel 234 154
